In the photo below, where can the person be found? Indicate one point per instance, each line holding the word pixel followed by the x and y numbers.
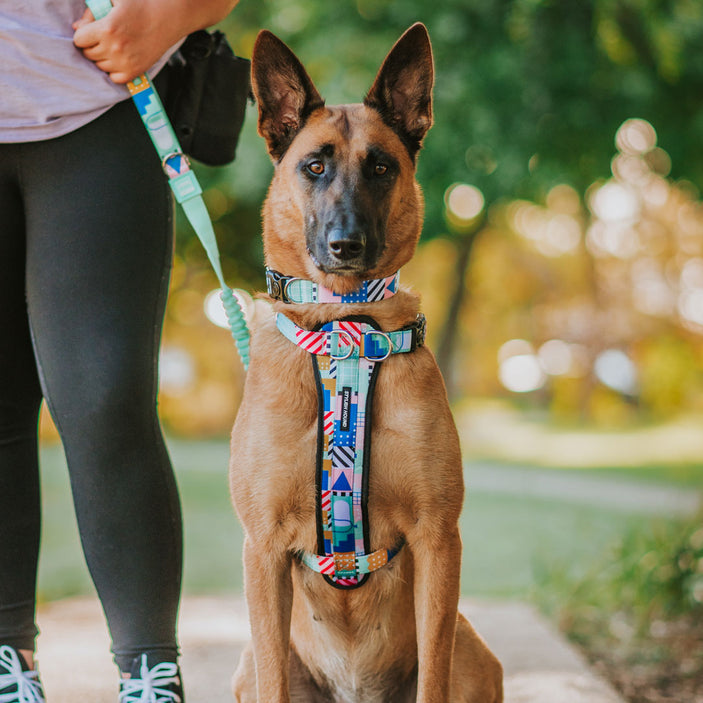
pixel 86 234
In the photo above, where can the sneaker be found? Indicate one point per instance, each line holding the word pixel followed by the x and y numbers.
pixel 159 684
pixel 18 683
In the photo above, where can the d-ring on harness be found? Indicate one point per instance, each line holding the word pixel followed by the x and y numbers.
pixel 346 356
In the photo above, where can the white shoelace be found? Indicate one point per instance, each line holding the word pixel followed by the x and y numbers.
pixel 29 688
pixel 148 688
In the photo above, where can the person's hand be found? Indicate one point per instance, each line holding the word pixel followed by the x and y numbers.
pixel 137 33
pixel 129 40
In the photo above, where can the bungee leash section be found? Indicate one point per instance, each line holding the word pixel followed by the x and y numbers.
pixel 184 184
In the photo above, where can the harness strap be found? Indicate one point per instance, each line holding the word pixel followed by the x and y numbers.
pixel 335 565
pixel 346 358
pixel 297 290
pixel 350 340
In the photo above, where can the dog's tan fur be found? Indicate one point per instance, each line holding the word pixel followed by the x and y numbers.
pixel 397 638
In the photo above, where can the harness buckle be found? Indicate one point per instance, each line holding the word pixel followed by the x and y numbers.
pixel 388 340
pixel 349 341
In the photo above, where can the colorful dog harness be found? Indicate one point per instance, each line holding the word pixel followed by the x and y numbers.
pixel 346 357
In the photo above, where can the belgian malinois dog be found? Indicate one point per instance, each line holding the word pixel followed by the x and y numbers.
pixel 343 209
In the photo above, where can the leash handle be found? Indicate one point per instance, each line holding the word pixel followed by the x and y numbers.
pixel 184 184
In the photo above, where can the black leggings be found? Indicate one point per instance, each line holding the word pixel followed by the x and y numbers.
pixel 86 224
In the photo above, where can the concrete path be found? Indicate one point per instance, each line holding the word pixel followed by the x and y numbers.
pixel 73 654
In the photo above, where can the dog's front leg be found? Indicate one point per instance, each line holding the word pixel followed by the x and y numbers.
pixel 269 591
pixel 437 560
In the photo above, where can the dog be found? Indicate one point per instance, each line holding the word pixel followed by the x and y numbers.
pixel 344 208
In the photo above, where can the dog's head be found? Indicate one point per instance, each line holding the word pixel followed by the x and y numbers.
pixel 343 205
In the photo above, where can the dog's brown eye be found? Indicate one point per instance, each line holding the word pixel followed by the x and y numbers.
pixel 381 169
pixel 316 167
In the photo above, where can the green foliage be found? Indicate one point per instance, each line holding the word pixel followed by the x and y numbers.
pixel 528 93
pixel 659 573
pixel 652 573
pixel 638 615
pixel 669 371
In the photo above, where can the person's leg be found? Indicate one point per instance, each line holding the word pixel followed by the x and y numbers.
pixel 99 229
pixel 20 398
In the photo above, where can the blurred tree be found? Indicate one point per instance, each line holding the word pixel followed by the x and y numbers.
pixel 528 95
pixel 606 299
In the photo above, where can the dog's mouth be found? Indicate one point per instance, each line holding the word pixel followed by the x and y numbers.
pixel 341 268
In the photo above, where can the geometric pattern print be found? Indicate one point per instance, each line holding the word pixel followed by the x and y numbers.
pixel 345 385
pixel 350 339
pixel 369 292
pixel 344 392
pixel 159 128
pixel 298 290
pixel 346 355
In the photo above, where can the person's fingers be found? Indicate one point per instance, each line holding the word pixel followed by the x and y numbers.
pixel 85 18
pixel 87 35
pixel 94 53
pixel 105 65
pixel 120 77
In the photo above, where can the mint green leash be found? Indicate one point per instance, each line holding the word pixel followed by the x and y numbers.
pixel 184 184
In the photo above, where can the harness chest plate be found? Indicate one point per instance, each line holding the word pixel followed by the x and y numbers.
pixel 346 356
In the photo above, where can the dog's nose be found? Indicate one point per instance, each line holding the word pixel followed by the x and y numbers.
pixel 345 245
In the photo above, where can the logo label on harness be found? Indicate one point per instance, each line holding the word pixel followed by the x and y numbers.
pixel 346 409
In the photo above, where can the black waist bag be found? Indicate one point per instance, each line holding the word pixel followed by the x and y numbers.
pixel 204 89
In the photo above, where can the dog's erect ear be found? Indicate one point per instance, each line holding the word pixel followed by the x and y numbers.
pixel 402 91
pixel 284 92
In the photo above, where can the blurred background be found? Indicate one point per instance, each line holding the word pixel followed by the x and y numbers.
pixel 561 269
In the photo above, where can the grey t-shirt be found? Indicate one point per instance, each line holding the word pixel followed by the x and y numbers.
pixel 47 87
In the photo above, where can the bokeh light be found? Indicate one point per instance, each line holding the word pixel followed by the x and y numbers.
pixel 635 136
pixel 554 231
pixel 522 373
pixel 514 347
pixel 519 368
pixel 616 370
pixel 556 357
pixel 615 202
pixel 176 370
pixel 651 292
pixel 691 306
pixel 215 309
pixel 464 203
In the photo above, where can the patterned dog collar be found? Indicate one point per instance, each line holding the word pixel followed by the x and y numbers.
pixel 297 290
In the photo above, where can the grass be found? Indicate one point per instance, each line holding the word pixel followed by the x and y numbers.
pixel 508 539
pixel 685 475
pixel 638 611
pixel 212 534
